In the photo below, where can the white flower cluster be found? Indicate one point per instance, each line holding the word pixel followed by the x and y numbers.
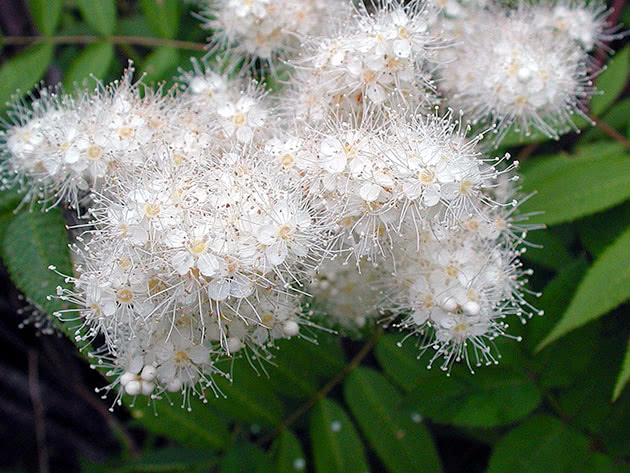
pixel 528 67
pixel 215 212
pixel 268 29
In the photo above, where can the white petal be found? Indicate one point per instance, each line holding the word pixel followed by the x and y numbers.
pixel 208 264
pixel 277 253
pixel 369 192
pixel 402 48
pixel 182 262
pixel 219 290
pixel 431 195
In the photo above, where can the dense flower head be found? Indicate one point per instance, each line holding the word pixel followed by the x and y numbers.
pixel 584 22
pixel 63 145
pixel 457 286
pixel 268 29
pixel 347 294
pixel 380 58
pixel 220 217
pixel 371 175
pixel 507 69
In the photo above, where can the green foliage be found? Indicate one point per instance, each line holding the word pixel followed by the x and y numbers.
pixel 599 292
pixel 46 15
pixel 311 408
pixel 493 396
pixel 20 73
pixel 337 447
pixel 93 61
pixel 612 81
pixel 624 374
pixel 594 178
pixel 287 453
pixel 200 428
pixel 100 16
pixel 162 16
pixel 542 443
pixel 33 241
pixel 161 63
pixel 397 435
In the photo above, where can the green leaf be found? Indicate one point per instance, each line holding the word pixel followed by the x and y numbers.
pixel 162 16
pixel 612 81
pixel 401 363
pixel 100 15
pixel 598 463
pixel 616 117
pixel 171 460
pixel 540 444
pixel 199 428
pixel 94 60
pixel 598 231
pixel 133 25
pixel 587 403
pixel 605 286
pixel 9 201
pixel 568 187
pixel 399 438
pixel 495 395
pixel 245 457
pixel 563 362
pixel 159 62
pixel 337 447
pixel 624 375
pixel 23 71
pixel 34 241
pixel 550 251
pixel 301 366
pixel 46 15
pixel 248 398
pixel 288 456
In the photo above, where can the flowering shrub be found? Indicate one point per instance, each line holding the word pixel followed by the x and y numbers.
pixel 325 169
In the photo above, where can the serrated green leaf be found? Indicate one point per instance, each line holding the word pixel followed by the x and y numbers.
pixel 540 444
pixel 100 15
pixel 46 15
pixel 245 457
pixel 401 363
pixel 337 447
pixel 34 241
pixel 605 286
pixel 93 61
pixel 624 375
pixel 495 395
pixel 159 63
pixel 612 81
pixel 162 16
pixel 171 460
pixel 598 231
pixel 597 177
pixel 288 456
pixel 401 441
pixel 199 428
pixel 23 71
